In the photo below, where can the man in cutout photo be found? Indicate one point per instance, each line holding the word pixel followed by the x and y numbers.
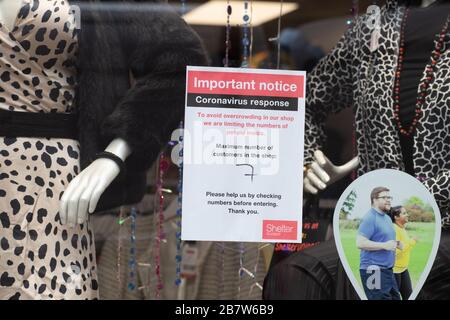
pixel 376 240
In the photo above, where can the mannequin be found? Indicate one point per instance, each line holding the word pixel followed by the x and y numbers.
pixel 321 172
pixel 83 192
pixel 378 81
pixel 65 96
pixel 38 79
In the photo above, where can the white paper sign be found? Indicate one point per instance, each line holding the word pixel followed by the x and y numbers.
pixel 243 155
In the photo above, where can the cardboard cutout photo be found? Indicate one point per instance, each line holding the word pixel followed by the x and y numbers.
pixel 387 229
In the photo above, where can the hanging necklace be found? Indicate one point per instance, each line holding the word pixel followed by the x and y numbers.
pixel 227 36
pixel 245 36
pixel 425 83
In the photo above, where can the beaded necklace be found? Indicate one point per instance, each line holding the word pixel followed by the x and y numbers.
pixel 425 83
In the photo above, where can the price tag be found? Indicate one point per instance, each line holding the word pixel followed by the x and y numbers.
pixel 189 267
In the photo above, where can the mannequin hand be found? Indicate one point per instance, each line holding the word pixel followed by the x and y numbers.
pixel 322 172
pixel 84 191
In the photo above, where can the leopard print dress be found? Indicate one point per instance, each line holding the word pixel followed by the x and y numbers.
pixel 39 257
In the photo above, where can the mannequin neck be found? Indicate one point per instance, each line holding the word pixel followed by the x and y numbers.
pixel 416 3
pixel 426 3
pixel 9 10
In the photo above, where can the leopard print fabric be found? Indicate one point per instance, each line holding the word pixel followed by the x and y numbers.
pixel 353 76
pixel 39 257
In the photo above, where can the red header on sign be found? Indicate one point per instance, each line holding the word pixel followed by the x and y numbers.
pixel 246 84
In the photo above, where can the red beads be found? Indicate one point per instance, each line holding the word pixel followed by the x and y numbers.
pixel 435 55
pixel 164 165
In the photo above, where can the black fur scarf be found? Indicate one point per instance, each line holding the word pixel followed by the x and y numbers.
pixel 131 85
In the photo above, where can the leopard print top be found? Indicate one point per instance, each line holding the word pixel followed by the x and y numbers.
pixel 37 59
pixel 352 75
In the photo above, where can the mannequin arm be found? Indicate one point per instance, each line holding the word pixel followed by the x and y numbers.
pixel 322 172
pixel 159 45
pixel 329 90
pixel 84 191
